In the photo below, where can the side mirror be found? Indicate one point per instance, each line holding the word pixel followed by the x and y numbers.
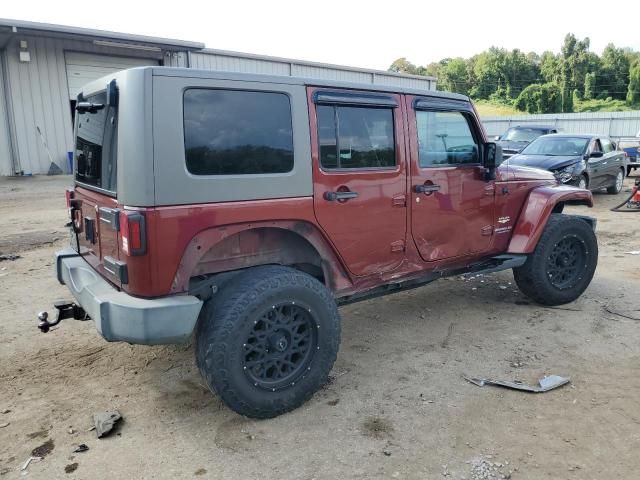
pixel 596 155
pixel 491 158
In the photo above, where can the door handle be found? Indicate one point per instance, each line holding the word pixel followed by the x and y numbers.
pixel 339 196
pixel 428 189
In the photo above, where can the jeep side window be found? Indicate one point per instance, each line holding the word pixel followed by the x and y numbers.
pixel 233 132
pixel 445 138
pixel 355 137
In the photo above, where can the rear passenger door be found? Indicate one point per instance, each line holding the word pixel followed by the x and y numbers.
pixel 360 176
pixel 613 161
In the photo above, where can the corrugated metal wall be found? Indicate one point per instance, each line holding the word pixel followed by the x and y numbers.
pixel 229 62
pixel 613 124
pixel 5 134
pixel 39 96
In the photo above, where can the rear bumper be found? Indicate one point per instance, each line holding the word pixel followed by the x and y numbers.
pixel 120 317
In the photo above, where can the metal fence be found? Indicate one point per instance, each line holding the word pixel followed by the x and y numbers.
pixel 612 124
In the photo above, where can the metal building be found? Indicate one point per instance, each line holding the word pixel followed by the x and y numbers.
pixel 43 67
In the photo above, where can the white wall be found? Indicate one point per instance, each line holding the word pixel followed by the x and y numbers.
pixel 5 135
pixel 38 97
pixel 246 63
pixel 612 124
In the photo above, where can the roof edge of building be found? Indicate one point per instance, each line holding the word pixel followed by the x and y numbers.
pixel 231 53
pixel 28 27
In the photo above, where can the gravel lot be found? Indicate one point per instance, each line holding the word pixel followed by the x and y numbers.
pixel 396 407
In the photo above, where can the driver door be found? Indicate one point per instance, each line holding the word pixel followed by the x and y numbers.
pixel 451 203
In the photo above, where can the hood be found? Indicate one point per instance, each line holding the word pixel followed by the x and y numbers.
pixel 511 145
pixel 546 162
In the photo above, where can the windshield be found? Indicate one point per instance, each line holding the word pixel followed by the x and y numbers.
pixel 557 146
pixel 96 141
pixel 519 134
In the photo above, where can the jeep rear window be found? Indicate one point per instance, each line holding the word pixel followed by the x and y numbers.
pixel 96 145
pixel 233 132
pixel 355 137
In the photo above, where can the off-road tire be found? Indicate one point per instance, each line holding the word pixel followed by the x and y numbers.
pixel 533 278
pixel 616 188
pixel 229 318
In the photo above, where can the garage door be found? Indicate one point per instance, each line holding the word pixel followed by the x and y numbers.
pixel 83 68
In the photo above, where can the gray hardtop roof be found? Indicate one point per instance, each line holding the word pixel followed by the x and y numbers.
pixel 255 77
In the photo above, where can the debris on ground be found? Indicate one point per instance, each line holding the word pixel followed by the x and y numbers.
pixel 43 450
pixel 28 462
pixel 104 422
pixel 9 257
pixel 485 469
pixel 5 424
pixel 545 383
pixel 72 467
pixel 83 447
pixel 633 252
pixel 6 410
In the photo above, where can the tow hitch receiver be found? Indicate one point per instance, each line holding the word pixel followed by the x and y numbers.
pixel 65 309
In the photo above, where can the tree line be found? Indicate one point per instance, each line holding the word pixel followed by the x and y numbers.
pixel 534 83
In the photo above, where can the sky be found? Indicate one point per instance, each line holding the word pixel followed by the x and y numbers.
pixel 363 34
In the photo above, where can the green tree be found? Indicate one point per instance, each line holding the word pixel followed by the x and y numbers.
pixel 537 98
pixel 633 92
pixel 454 76
pixel 615 72
pixel 402 65
pixel 589 86
pixel 550 67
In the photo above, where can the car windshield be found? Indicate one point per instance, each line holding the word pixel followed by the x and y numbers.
pixel 557 146
pixel 519 134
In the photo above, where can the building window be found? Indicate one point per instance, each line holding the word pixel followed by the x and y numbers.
pixel 355 137
pixel 445 138
pixel 232 132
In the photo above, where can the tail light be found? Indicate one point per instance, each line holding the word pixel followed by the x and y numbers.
pixel 133 233
pixel 69 194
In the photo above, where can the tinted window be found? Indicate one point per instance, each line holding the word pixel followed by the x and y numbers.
pixel 96 143
pixel 607 147
pixel 229 132
pixel 557 146
pixel 355 137
pixel 520 134
pixel 445 138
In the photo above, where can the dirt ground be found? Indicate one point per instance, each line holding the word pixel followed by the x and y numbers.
pixel 396 406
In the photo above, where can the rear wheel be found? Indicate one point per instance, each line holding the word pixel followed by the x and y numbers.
pixel 617 186
pixel 266 342
pixel 563 263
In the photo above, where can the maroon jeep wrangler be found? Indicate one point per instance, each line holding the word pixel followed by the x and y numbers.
pixel 243 209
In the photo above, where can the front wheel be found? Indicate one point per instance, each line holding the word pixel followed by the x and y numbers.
pixel 617 186
pixel 583 182
pixel 563 263
pixel 266 342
